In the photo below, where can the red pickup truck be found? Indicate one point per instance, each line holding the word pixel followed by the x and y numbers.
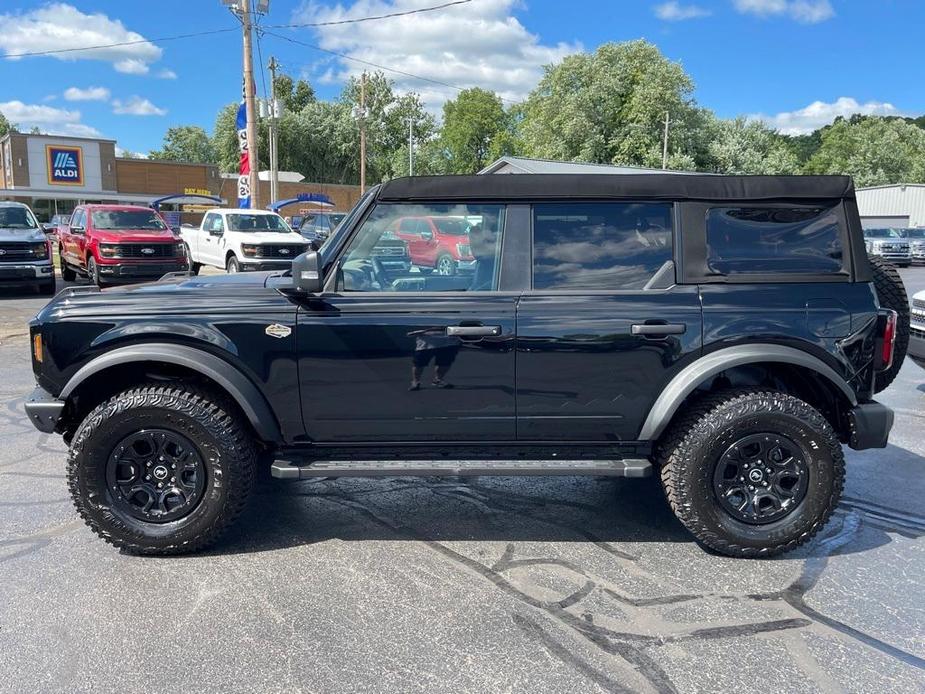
pixel 439 244
pixel 119 243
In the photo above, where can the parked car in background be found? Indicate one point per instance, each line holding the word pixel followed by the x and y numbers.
pixel 889 245
pixel 25 250
pixel 55 223
pixel 112 244
pixel 916 238
pixel 439 244
pixel 319 225
pixel 239 240
pixel 917 329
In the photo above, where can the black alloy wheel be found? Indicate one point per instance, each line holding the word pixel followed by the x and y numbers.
pixel 155 475
pixel 761 478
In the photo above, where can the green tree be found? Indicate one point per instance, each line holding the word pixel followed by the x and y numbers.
pixel 294 95
pixel 873 150
pixel 473 125
pixel 6 126
pixel 748 147
pixel 186 143
pixel 609 107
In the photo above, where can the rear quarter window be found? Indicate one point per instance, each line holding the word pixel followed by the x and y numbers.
pixel 773 240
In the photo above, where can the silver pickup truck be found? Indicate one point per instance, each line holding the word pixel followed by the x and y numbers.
pixel 25 251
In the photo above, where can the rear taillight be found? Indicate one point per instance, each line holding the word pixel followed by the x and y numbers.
pixel 888 340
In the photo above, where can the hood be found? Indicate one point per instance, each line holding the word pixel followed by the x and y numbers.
pixel 135 236
pixel 7 234
pixel 262 237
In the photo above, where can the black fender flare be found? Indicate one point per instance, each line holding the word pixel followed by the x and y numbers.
pixel 690 377
pixel 238 386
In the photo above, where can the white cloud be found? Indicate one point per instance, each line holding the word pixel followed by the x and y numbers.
pixel 54 121
pixel 803 121
pixel 167 74
pixel 59 26
pixel 136 106
pixel 477 44
pixel 804 11
pixel 88 94
pixel 676 12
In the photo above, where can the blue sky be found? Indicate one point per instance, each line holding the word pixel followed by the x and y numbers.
pixel 797 63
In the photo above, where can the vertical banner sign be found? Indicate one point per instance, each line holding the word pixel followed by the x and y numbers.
pixel 244 181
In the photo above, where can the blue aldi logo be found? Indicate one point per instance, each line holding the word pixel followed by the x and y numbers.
pixel 64 165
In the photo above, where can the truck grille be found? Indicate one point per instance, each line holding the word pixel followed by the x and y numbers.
pixel 13 252
pixel 146 250
pixel 918 303
pixel 393 251
pixel 281 251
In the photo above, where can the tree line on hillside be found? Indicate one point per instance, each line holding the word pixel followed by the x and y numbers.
pixel 605 107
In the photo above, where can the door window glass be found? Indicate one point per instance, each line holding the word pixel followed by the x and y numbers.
pixel 791 240
pixel 606 246
pixel 389 253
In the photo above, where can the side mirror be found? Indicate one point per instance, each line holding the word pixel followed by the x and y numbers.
pixel 306 272
pixel 76 230
pixel 427 235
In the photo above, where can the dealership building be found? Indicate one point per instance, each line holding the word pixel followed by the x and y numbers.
pixel 54 174
pixel 899 206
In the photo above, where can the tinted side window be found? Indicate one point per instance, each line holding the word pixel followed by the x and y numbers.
pixel 609 246
pixel 791 240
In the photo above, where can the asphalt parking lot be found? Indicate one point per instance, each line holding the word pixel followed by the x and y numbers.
pixel 474 585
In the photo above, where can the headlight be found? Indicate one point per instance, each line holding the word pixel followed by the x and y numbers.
pixel 108 250
pixel 249 249
pixel 463 249
pixel 39 250
pixel 180 250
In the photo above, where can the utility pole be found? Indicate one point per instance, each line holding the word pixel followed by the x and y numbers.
pixel 665 142
pixel 363 133
pixel 274 132
pixel 410 145
pixel 249 105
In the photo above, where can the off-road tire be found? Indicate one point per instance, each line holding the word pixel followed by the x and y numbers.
pixel 231 265
pixel 67 272
pixel 891 293
pixel 226 448
pixel 690 449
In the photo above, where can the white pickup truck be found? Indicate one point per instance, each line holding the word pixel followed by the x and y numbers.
pixel 240 239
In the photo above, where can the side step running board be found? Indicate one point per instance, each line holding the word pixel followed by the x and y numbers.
pixel 290 470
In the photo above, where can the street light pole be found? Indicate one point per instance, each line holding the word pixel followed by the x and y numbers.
pixel 249 106
pixel 274 133
pixel 665 142
pixel 363 133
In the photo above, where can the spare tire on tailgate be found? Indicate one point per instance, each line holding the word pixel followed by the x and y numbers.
pixel 891 294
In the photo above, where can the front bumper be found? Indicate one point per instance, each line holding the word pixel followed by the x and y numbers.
pixel 870 424
pixel 916 350
pixel 259 265
pixel 894 256
pixel 19 273
pixel 134 271
pixel 44 410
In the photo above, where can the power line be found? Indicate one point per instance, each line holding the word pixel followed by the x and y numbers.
pixel 378 65
pixel 367 19
pixel 120 43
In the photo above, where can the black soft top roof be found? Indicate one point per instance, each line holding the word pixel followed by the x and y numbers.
pixel 635 186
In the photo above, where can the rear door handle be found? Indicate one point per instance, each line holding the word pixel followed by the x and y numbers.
pixel 657 329
pixel 473 330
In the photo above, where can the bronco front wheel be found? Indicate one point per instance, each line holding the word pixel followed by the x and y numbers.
pixel 161 470
pixel 752 473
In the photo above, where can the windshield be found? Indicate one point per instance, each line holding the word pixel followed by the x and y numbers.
pixel 915 233
pixel 257 222
pixel 451 225
pixel 122 220
pixel 881 234
pixel 336 219
pixel 17 218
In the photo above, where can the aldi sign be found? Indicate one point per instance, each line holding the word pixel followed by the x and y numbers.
pixel 65 165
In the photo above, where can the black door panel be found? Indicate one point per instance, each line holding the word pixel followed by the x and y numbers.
pixel 585 373
pixel 357 355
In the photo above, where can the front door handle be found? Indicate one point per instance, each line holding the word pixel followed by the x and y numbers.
pixel 473 330
pixel 658 329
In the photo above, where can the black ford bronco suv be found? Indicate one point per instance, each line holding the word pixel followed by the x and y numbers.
pixel 725 333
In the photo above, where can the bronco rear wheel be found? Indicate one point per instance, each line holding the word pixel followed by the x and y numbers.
pixel 891 293
pixel 161 470
pixel 752 473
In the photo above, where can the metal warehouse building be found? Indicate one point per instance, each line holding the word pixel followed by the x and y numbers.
pixel 900 205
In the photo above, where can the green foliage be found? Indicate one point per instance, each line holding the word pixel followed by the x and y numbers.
pixel 6 126
pixel 747 147
pixel 875 151
pixel 609 107
pixel 474 128
pixel 294 96
pixel 186 143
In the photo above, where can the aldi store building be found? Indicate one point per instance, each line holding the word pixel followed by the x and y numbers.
pixel 53 174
